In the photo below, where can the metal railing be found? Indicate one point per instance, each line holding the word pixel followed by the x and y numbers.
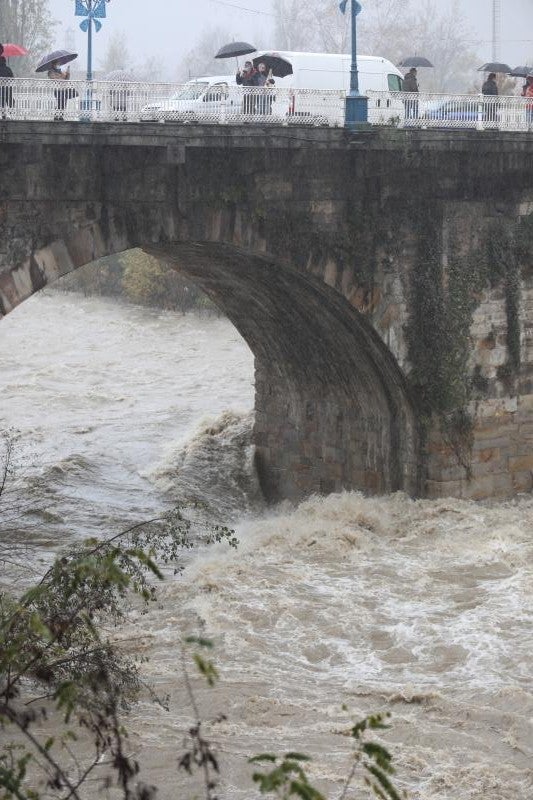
pixel 162 102
pixel 224 103
pixel 431 110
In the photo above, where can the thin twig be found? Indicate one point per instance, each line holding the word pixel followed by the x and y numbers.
pixel 12 716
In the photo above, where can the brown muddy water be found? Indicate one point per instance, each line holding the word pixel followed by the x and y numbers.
pixel 418 608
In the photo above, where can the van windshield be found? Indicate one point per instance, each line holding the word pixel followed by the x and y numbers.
pixel 191 92
pixel 395 83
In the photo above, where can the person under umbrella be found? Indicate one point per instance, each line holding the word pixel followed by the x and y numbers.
pixel 265 80
pixel 527 91
pixel 6 92
pixel 247 77
pixel 490 87
pixel 55 73
pixel 51 64
pixel 410 84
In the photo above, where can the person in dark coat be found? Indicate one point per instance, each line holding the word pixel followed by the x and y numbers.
pixel 265 80
pixel 410 84
pixel 490 88
pixel 247 77
pixel 6 92
pixel 528 92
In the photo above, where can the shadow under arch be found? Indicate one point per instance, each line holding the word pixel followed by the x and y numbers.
pixel 332 407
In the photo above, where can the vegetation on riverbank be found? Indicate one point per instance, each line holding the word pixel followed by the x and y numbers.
pixel 138 278
pixel 59 660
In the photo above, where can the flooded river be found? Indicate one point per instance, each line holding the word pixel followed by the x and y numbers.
pixel 419 608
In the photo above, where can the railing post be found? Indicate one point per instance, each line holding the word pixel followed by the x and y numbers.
pixel 479 116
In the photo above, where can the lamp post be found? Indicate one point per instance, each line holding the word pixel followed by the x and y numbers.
pixel 93 11
pixel 356 112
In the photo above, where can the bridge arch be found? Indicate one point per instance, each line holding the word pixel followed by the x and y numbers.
pixel 408 227
pixel 332 407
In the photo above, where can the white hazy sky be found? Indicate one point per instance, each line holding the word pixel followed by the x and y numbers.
pixel 168 28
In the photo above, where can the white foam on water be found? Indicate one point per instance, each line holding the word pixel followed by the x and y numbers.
pixel 419 608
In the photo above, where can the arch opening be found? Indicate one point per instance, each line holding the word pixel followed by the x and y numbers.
pixel 332 408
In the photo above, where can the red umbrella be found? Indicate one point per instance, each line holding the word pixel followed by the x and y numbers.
pixel 13 50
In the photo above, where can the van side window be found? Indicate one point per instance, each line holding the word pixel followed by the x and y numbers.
pixel 216 92
pixel 395 83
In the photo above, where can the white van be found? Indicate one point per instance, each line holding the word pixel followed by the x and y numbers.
pixel 200 98
pixel 213 98
pixel 331 71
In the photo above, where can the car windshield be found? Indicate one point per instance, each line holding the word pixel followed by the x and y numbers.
pixel 191 92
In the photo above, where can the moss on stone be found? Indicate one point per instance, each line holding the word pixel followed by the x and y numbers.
pixel 503 247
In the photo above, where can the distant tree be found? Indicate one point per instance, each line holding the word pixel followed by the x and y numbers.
pixel 116 55
pixel 149 70
pixel 295 26
pixel 200 59
pixel 442 36
pixel 30 24
pixel 390 28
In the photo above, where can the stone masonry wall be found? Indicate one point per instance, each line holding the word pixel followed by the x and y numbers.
pixel 383 281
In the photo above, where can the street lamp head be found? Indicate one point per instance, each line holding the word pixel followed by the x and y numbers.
pixel 93 11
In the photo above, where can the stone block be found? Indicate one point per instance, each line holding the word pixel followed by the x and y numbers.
pixel 525 430
pixel 437 489
pixel 525 404
pixel 520 463
pixel 445 471
pixel 481 469
pixel 497 407
pixel 484 454
pixel 493 431
pixel 489 486
pixel 522 481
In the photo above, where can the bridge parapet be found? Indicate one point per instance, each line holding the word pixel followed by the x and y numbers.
pixel 227 104
pixel 384 281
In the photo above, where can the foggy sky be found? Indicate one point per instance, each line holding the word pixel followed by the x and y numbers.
pixel 167 29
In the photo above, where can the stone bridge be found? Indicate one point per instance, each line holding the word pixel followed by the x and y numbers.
pixel 382 279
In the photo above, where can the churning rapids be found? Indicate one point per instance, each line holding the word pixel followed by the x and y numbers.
pixel 419 608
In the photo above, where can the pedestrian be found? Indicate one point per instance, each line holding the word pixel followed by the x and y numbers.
pixel 247 77
pixel 525 85
pixel 528 92
pixel 410 84
pixel 265 80
pixel 490 88
pixel 55 73
pixel 6 92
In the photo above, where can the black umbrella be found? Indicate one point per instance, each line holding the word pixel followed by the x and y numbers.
pixel 415 61
pixel 494 66
pixel 280 66
pixel 56 57
pixel 521 72
pixel 234 49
